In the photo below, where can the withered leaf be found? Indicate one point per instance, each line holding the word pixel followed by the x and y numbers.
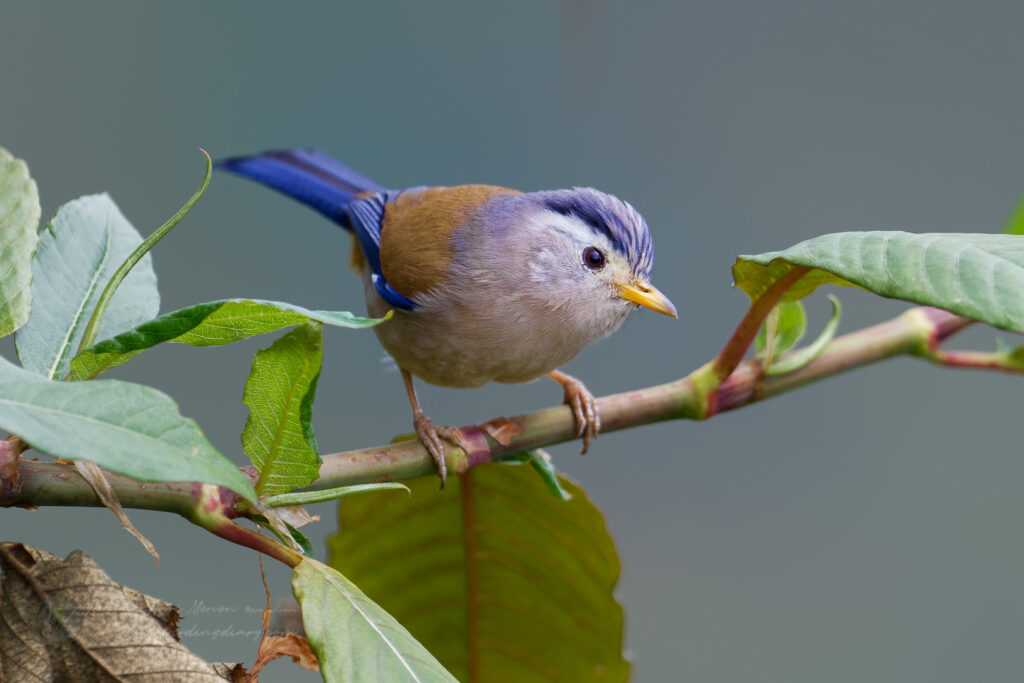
pixel 502 430
pixel 231 671
pixel 10 449
pixel 289 645
pixel 65 620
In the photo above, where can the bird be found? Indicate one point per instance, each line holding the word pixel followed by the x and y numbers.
pixel 486 284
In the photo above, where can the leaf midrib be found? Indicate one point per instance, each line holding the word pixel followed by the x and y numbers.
pixel 373 624
pixel 76 320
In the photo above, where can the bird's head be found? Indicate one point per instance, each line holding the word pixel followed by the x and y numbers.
pixel 596 248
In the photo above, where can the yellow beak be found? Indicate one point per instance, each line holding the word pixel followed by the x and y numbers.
pixel 645 294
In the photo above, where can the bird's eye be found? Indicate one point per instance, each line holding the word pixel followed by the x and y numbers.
pixel 593 258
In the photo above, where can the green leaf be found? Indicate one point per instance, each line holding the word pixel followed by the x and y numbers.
pixel 294 534
pixel 19 221
pixel 79 251
pixel 278 436
pixel 782 330
pixel 496 577
pixel 127 428
pixel 975 275
pixel 324 495
pixel 210 324
pixel 798 359
pixel 353 638
pixel 298 537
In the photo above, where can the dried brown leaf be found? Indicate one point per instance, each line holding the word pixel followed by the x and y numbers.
pixel 10 449
pixel 296 515
pixel 290 645
pixel 164 612
pixel 231 671
pixel 502 430
pixel 65 620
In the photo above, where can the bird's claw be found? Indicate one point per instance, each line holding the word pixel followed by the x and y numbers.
pixel 431 437
pixel 584 407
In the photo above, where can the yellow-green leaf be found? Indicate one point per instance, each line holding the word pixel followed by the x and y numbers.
pixel 499 579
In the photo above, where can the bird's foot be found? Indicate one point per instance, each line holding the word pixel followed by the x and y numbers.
pixel 584 407
pixel 431 437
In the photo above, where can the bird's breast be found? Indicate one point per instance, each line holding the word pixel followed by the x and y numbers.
pixel 450 342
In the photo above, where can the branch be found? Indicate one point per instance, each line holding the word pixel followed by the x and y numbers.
pixel 211 507
pixel 918 332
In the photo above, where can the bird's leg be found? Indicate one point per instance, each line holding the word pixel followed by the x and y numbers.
pixel 429 434
pixel 583 404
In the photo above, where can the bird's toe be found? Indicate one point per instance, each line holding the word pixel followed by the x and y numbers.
pixel 431 439
pixel 584 408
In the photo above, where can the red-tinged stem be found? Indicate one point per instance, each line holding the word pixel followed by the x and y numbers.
pixel 211 507
pixel 215 510
pixel 977 360
pixel 236 533
pixel 944 324
pixel 734 350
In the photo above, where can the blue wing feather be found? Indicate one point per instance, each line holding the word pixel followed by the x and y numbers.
pixel 366 216
pixel 308 175
pixel 347 197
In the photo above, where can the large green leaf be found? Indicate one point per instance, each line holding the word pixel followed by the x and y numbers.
pixel 278 436
pixel 128 428
pixel 209 324
pixel 353 638
pixel 19 221
pixel 975 275
pixel 79 251
pixel 494 575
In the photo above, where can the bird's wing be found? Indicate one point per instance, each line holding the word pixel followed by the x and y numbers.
pixel 366 216
pixel 416 240
pixel 405 235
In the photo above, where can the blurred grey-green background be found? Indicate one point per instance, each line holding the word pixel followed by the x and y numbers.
pixel 864 528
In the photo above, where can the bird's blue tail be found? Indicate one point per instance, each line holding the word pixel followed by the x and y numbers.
pixel 308 175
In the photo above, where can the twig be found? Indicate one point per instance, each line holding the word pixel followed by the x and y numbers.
pixel 918 332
